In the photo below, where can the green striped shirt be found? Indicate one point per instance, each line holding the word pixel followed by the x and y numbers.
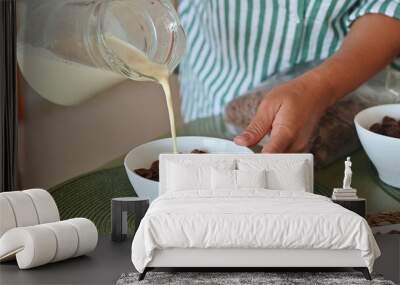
pixel 234 45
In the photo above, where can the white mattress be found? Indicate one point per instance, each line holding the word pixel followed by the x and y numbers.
pixel 252 219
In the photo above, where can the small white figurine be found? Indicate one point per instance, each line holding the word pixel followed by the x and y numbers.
pixel 346 192
pixel 347 174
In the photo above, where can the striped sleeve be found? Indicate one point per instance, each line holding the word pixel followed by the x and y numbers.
pixel 389 8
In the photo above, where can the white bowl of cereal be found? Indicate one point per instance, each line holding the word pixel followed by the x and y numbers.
pixel 144 157
pixel 379 131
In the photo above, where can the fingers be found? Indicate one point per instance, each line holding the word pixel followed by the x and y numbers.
pixel 256 130
pixel 301 145
pixel 281 138
pixel 304 139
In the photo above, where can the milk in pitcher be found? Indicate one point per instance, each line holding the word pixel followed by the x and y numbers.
pixel 61 81
pixel 67 83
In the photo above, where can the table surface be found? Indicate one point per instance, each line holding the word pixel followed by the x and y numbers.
pixel 102 266
pixel 110 259
pixel 380 197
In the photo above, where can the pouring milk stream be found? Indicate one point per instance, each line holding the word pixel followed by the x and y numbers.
pixel 121 40
pixel 143 65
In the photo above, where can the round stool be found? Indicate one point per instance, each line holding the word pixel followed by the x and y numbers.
pixel 120 207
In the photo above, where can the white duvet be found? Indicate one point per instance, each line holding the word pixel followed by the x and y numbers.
pixel 250 219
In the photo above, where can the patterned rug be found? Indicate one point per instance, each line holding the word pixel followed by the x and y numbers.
pixel 244 278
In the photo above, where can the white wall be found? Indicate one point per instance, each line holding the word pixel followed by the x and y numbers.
pixel 57 143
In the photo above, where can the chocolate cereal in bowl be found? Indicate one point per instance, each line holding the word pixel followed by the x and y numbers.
pixel 141 163
pixel 378 129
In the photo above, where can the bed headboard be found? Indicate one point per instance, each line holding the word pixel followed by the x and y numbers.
pixel 198 158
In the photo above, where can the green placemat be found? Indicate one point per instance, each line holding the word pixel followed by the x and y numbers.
pixel 90 195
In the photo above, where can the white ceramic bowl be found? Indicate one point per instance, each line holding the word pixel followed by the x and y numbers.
pixel 383 151
pixel 143 155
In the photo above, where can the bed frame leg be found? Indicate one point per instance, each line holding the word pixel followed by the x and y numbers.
pixel 143 274
pixel 364 271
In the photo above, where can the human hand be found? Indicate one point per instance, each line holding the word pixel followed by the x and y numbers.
pixel 290 112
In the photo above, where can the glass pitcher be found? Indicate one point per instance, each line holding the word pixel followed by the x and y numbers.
pixel 70 50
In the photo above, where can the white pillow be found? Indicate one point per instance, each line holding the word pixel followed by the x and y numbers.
pixel 225 179
pixel 293 179
pixel 281 174
pixel 251 178
pixel 181 178
pixel 185 174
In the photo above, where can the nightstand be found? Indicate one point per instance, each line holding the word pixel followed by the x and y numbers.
pixel 119 215
pixel 358 205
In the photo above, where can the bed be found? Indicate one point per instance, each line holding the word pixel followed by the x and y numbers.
pixel 247 211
